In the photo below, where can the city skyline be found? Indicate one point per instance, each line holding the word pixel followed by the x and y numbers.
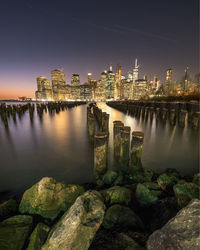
pixel 85 37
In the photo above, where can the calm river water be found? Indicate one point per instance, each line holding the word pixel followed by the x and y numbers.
pixel 58 146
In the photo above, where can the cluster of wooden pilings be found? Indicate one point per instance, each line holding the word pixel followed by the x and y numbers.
pixel 95 114
pixel 7 111
pixel 180 112
pixel 127 150
pixel 55 107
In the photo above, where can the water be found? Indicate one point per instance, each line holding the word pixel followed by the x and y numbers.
pixel 58 146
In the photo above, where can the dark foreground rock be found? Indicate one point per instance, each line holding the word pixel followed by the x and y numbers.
pixel 76 229
pixel 118 215
pixel 38 237
pixel 8 208
pixel 117 194
pixel 181 232
pixel 14 232
pixel 48 198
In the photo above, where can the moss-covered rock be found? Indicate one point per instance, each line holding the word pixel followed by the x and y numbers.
pixel 110 177
pixel 78 226
pixel 186 192
pixel 8 208
pixel 142 175
pixel 48 198
pixel 121 216
pixel 117 194
pixel 14 232
pixel 127 243
pixel 152 185
pixel 196 179
pixel 38 237
pixel 173 171
pixel 166 182
pixel 145 196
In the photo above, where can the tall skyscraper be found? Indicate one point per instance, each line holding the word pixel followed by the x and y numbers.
pixel 168 82
pixel 135 71
pixel 110 84
pixel 89 77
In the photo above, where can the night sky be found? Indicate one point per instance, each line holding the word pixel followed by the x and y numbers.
pixel 87 36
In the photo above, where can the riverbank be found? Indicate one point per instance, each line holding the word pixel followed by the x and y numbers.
pixel 112 215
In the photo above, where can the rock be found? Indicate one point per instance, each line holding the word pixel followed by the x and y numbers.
pixel 127 243
pixel 77 227
pixel 152 185
pixel 117 194
pixel 121 216
pixel 148 174
pixel 8 208
pixel 162 212
pixel 145 196
pixel 173 171
pixel 196 179
pixel 185 193
pixel 110 177
pixel 181 232
pixel 38 237
pixel 14 232
pixel 144 175
pixel 166 182
pixel 48 198
pixel 119 180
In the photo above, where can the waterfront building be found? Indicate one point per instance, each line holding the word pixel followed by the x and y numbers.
pixel 59 87
pixel 140 88
pixel 100 93
pixel 127 89
pixel 44 90
pixel 85 91
pixel 130 76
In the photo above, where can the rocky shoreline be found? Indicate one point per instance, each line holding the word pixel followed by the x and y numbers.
pixel 162 212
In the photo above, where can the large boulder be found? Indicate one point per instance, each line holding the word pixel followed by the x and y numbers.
pixel 117 194
pixel 48 198
pixel 38 237
pixel 78 226
pixel 110 177
pixel 181 232
pixel 145 196
pixel 166 182
pixel 185 192
pixel 14 232
pixel 8 208
pixel 196 179
pixel 121 216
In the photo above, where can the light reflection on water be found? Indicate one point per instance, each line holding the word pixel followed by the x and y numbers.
pixel 57 145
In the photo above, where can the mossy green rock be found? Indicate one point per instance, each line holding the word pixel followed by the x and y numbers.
pixel 78 226
pixel 152 185
pixel 166 182
pixel 117 194
pixel 8 208
pixel 38 237
pixel 121 216
pixel 186 192
pixel 109 177
pixel 48 198
pixel 14 232
pixel 145 196
pixel 196 179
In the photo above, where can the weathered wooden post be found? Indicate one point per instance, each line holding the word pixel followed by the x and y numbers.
pixel 105 122
pixel 117 126
pixel 137 143
pixel 181 118
pixel 125 148
pixel 195 120
pixel 157 113
pixel 151 112
pixel 172 117
pixel 91 126
pixel 164 114
pixel 100 154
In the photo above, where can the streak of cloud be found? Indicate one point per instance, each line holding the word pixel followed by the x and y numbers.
pixel 145 33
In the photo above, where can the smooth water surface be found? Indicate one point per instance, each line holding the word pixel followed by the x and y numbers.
pixel 58 146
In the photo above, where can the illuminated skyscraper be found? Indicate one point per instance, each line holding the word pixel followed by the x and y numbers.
pixel 110 84
pixel 135 71
pixel 44 91
pixel 58 85
pixel 89 77
pixel 75 86
pixel 168 82
pixel 155 81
